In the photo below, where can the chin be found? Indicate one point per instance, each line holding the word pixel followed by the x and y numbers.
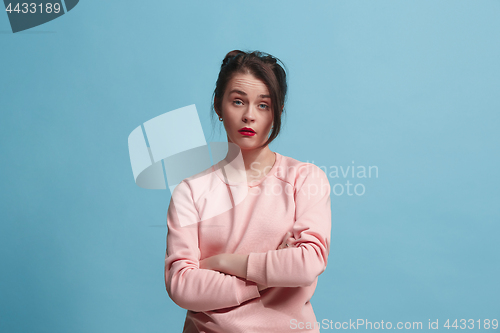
pixel 246 145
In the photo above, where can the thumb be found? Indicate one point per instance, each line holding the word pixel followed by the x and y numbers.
pixel 285 239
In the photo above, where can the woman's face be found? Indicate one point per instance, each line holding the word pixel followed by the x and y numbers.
pixel 246 103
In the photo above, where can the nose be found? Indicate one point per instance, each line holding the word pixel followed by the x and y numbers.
pixel 248 115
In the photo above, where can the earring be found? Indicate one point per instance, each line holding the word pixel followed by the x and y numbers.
pixel 220 118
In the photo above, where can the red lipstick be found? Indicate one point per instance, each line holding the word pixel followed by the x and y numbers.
pixel 247 131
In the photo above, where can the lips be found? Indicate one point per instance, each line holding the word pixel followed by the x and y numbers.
pixel 247 130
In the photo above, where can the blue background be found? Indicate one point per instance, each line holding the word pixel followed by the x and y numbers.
pixel 408 86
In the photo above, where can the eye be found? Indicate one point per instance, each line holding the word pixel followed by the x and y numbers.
pixel 237 101
pixel 265 106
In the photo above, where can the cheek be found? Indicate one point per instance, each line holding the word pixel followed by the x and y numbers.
pixel 271 121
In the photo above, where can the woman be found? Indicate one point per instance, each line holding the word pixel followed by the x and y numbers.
pixel 254 266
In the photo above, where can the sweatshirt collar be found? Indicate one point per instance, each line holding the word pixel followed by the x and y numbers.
pixel 235 175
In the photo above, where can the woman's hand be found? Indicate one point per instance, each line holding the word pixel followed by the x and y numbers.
pixel 212 262
pixel 236 264
pixel 218 261
pixel 229 263
pixel 286 241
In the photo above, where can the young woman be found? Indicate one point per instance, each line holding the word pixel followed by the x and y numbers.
pixel 254 266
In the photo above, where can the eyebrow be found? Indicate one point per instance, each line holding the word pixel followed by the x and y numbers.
pixel 245 94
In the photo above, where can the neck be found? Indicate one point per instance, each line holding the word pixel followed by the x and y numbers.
pixel 257 162
pixel 257 158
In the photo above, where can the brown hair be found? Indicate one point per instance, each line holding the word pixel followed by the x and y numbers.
pixel 264 67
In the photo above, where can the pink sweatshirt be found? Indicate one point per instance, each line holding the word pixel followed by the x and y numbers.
pixel 293 196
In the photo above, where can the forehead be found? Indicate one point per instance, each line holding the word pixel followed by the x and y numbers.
pixel 246 84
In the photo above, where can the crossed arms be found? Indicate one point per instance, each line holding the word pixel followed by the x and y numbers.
pixel 226 280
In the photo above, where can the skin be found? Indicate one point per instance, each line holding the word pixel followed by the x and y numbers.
pixel 246 103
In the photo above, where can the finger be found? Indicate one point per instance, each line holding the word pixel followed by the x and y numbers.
pixel 290 240
pixel 285 239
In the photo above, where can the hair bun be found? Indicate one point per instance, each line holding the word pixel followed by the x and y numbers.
pixel 270 59
pixel 231 55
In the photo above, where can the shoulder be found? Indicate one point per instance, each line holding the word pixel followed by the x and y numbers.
pixel 196 185
pixel 297 173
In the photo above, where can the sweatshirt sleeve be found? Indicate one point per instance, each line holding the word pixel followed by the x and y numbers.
pixel 300 264
pixel 189 286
